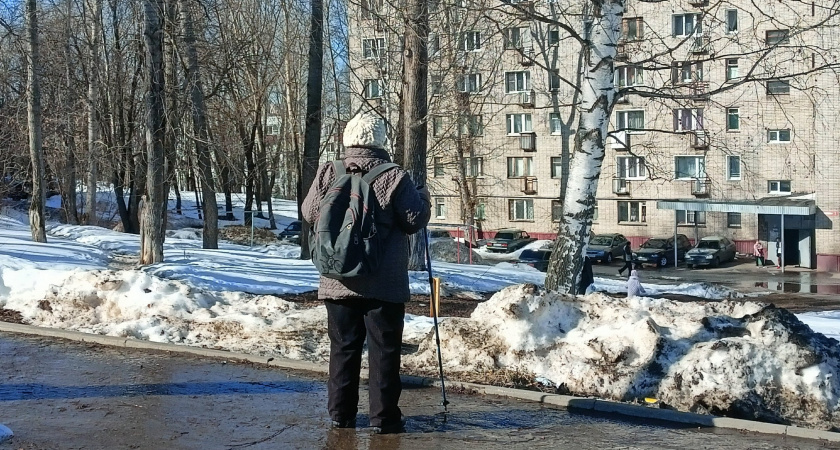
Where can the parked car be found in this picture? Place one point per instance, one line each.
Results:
(537, 259)
(711, 250)
(291, 233)
(439, 233)
(606, 247)
(660, 251)
(509, 240)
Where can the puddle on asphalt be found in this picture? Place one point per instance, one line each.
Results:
(804, 288)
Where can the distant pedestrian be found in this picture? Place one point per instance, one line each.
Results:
(634, 286)
(371, 305)
(628, 259)
(587, 278)
(778, 252)
(758, 252)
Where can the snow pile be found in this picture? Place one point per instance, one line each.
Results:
(5, 433)
(449, 250)
(702, 290)
(742, 359)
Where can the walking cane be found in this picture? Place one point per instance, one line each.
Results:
(443, 402)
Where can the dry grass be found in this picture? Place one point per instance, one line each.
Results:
(241, 235)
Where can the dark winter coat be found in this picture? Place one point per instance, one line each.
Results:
(405, 213)
(586, 276)
(628, 253)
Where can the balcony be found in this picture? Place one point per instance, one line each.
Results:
(700, 44)
(698, 3)
(528, 141)
(378, 24)
(619, 140)
(526, 56)
(526, 99)
(700, 187)
(621, 186)
(699, 92)
(529, 185)
(621, 52)
(700, 140)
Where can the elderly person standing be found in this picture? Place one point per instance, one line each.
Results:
(634, 286)
(758, 252)
(370, 306)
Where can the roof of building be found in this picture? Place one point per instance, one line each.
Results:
(788, 205)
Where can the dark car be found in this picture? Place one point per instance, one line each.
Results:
(509, 240)
(660, 251)
(606, 247)
(291, 233)
(537, 259)
(711, 251)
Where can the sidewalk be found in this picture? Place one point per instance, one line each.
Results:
(60, 394)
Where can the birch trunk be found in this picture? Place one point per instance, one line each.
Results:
(36, 206)
(597, 100)
(68, 186)
(154, 202)
(312, 132)
(200, 130)
(93, 114)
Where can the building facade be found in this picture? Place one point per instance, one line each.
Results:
(724, 123)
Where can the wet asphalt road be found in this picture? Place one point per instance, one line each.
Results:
(57, 394)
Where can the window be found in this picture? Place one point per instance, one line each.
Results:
(554, 80)
(733, 119)
(777, 37)
(440, 208)
(373, 89)
(778, 186)
(595, 213)
(519, 123)
(470, 82)
(556, 167)
(732, 69)
(516, 37)
(629, 76)
(522, 209)
(520, 166)
(481, 210)
(776, 87)
(437, 126)
(435, 84)
(373, 48)
(778, 136)
(555, 123)
(733, 167)
(434, 44)
(470, 41)
(556, 210)
(634, 121)
(688, 167)
(632, 212)
(690, 217)
(688, 119)
(437, 164)
(686, 72)
(733, 220)
(472, 126)
(474, 167)
(272, 130)
(517, 81)
(371, 8)
(686, 24)
(731, 20)
(630, 168)
(553, 35)
(632, 29)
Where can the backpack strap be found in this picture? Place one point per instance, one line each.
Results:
(378, 170)
(338, 167)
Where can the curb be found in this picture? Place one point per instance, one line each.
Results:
(564, 401)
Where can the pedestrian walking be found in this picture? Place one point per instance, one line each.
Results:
(364, 305)
(778, 252)
(634, 285)
(758, 252)
(628, 259)
(587, 278)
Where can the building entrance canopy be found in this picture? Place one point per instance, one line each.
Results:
(768, 205)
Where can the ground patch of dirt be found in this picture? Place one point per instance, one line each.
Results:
(241, 235)
(417, 305)
(8, 315)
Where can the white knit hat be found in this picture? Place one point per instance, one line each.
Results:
(365, 130)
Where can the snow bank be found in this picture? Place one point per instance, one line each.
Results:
(743, 359)
(449, 250)
(701, 290)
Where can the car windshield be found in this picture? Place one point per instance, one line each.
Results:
(504, 235)
(531, 254)
(709, 244)
(655, 243)
(294, 226)
(601, 240)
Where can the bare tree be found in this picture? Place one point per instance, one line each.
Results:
(36, 206)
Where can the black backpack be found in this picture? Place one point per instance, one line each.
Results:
(345, 241)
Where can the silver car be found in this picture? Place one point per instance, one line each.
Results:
(711, 251)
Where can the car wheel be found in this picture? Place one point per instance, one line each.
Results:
(663, 261)
(609, 258)
(691, 266)
(716, 262)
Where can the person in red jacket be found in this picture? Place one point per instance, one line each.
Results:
(758, 252)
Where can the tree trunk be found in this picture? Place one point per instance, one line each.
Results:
(68, 185)
(36, 206)
(597, 100)
(248, 148)
(415, 107)
(312, 132)
(154, 202)
(93, 115)
(202, 136)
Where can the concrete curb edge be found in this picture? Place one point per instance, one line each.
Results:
(565, 401)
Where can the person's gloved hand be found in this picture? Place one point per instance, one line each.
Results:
(424, 193)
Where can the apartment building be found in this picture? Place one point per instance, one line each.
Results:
(725, 125)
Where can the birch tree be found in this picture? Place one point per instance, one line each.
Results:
(37, 202)
(93, 141)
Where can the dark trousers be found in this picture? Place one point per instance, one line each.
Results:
(628, 265)
(349, 322)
